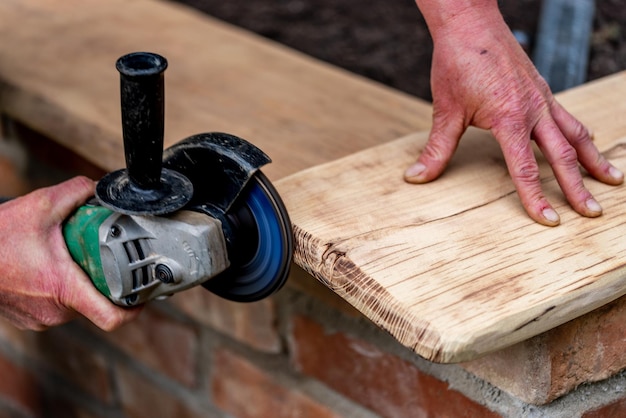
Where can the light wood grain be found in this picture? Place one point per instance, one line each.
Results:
(57, 75)
(455, 269)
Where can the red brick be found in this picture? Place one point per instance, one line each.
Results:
(545, 367)
(522, 370)
(19, 388)
(378, 380)
(614, 409)
(141, 397)
(85, 368)
(246, 391)
(65, 355)
(589, 349)
(254, 324)
(160, 342)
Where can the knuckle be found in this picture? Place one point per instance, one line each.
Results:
(435, 151)
(600, 161)
(512, 114)
(513, 121)
(114, 319)
(566, 155)
(41, 201)
(526, 172)
(579, 134)
(515, 108)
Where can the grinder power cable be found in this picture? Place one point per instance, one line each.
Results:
(199, 213)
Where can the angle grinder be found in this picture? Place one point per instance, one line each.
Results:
(199, 213)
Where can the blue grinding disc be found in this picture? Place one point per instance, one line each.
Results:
(266, 268)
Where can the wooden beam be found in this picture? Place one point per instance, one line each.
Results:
(57, 76)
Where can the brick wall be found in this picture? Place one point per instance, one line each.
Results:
(302, 353)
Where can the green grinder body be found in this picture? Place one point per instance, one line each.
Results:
(81, 233)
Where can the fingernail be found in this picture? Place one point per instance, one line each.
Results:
(414, 171)
(615, 173)
(550, 215)
(593, 206)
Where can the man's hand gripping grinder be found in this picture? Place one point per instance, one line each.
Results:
(199, 213)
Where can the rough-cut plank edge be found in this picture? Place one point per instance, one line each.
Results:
(336, 271)
(341, 275)
(612, 286)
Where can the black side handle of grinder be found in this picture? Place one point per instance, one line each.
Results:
(144, 187)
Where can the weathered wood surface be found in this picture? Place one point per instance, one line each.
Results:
(455, 269)
(57, 75)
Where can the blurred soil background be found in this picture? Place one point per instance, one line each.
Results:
(387, 40)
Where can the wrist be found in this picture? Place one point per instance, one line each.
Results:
(444, 16)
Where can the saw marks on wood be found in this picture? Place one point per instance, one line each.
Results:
(454, 269)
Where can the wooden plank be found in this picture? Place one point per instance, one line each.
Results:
(455, 269)
(57, 75)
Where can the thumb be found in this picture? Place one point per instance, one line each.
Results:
(444, 137)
